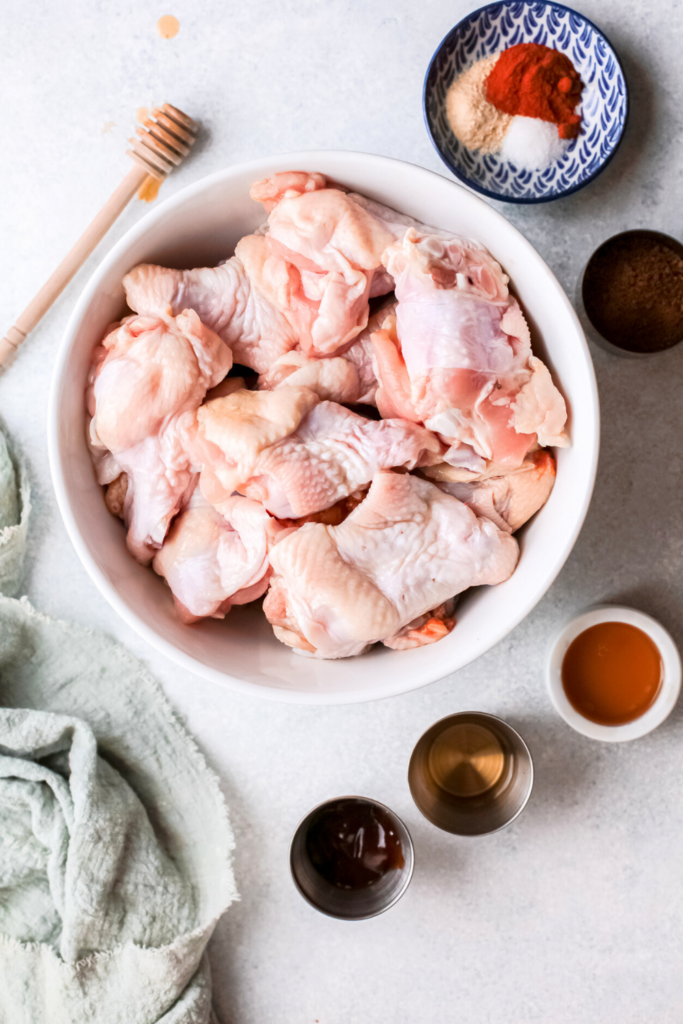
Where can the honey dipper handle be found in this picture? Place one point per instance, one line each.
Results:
(54, 286)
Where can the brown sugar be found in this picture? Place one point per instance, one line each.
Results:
(633, 291)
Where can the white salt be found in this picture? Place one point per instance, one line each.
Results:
(531, 144)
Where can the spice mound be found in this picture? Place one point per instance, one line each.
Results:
(534, 81)
(633, 291)
(521, 103)
(475, 121)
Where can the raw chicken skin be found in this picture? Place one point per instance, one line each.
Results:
(322, 227)
(285, 185)
(292, 184)
(458, 355)
(404, 551)
(212, 560)
(305, 283)
(244, 299)
(335, 239)
(509, 498)
(250, 443)
(349, 378)
(148, 378)
(334, 379)
(232, 432)
(334, 247)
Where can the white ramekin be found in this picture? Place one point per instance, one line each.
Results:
(668, 694)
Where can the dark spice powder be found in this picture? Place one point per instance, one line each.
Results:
(633, 291)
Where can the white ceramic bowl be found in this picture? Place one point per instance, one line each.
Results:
(200, 226)
(671, 682)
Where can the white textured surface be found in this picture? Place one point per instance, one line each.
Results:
(575, 913)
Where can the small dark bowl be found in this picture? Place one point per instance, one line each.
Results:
(595, 330)
(604, 104)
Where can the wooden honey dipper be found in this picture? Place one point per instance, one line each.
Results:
(163, 141)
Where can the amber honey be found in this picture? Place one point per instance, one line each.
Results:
(612, 673)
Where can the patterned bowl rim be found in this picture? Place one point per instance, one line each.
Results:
(460, 175)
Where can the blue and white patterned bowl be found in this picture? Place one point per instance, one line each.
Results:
(604, 102)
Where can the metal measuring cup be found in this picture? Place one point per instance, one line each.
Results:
(349, 904)
(471, 774)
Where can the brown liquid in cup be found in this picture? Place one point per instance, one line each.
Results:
(612, 673)
(353, 844)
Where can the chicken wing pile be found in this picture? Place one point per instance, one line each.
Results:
(345, 416)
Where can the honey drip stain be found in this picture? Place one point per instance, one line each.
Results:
(168, 26)
(149, 189)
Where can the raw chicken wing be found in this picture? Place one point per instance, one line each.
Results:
(242, 300)
(509, 498)
(148, 377)
(334, 246)
(405, 550)
(335, 239)
(458, 355)
(297, 455)
(349, 378)
(212, 560)
(303, 283)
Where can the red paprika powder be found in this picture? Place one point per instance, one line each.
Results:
(532, 80)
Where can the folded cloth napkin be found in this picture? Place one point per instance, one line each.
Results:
(115, 844)
(15, 505)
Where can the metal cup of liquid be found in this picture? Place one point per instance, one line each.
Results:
(471, 774)
(351, 858)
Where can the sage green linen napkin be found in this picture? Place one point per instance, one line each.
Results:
(115, 844)
(15, 506)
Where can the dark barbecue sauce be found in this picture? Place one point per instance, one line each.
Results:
(353, 844)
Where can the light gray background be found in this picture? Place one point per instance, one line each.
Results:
(574, 913)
